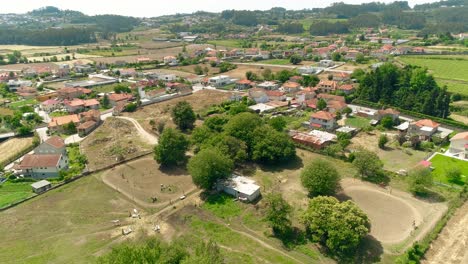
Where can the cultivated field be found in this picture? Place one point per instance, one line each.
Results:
(68, 225)
(13, 147)
(140, 180)
(393, 156)
(393, 212)
(115, 140)
(450, 245)
(162, 111)
(13, 192)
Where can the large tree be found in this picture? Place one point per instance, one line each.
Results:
(183, 115)
(208, 166)
(242, 126)
(271, 146)
(171, 148)
(320, 177)
(278, 213)
(339, 226)
(367, 163)
(420, 180)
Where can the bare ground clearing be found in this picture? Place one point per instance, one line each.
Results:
(451, 245)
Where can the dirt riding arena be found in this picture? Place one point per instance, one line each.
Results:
(141, 180)
(451, 245)
(395, 215)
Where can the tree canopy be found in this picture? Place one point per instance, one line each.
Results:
(171, 148)
(367, 163)
(420, 180)
(320, 177)
(183, 115)
(278, 213)
(270, 146)
(208, 166)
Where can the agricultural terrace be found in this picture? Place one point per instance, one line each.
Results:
(142, 179)
(161, 112)
(113, 141)
(443, 163)
(13, 147)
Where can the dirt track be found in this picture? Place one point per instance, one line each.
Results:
(451, 246)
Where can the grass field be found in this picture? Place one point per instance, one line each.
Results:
(455, 86)
(441, 163)
(21, 103)
(230, 43)
(13, 192)
(275, 62)
(357, 121)
(107, 88)
(6, 111)
(441, 67)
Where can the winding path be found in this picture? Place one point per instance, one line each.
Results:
(151, 139)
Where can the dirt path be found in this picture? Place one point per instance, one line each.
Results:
(451, 246)
(151, 139)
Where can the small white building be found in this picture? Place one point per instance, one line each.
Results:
(240, 187)
(268, 85)
(41, 186)
(219, 81)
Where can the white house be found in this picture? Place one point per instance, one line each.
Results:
(53, 145)
(43, 166)
(323, 119)
(240, 187)
(459, 145)
(220, 80)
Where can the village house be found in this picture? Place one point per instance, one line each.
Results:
(78, 105)
(341, 76)
(394, 114)
(459, 145)
(57, 123)
(115, 98)
(326, 86)
(219, 81)
(70, 93)
(424, 128)
(240, 187)
(334, 106)
(53, 145)
(296, 78)
(43, 166)
(82, 68)
(316, 139)
(50, 105)
(41, 186)
(244, 84)
(347, 88)
(276, 95)
(27, 92)
(89, 121)
(259, 95)
(13, 85)
(170, 60)
(290, 87)
(130, 72)
(352, 55)
(269, 85)
(304, 95)
(323, 119)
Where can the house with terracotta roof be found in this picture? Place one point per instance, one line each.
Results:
(115, 98)
(291, 87)
(326, 86)
(244, 84)
(70, 93)
(316, 139)
(394, 114)
(304, 95)
(78, 105)
(276, 95)
(323, 119)
(50, 105)
(89, 121)
(459, 145)
(347, 88)
(352, 54)
(334, 106)
(424, 128)
(341, 76)
(57, 123)
(53, 145)
(43, 166)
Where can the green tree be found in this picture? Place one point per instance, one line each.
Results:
(183, 115)
(131, 107)
(171, 148)
(216, 123)
(453, 174)
(336, 56)
(105, 102)
(242, 126)
(320, 177)
(232, 147)
(321, 104)
(205, 253)
(278, 123)
(383, 140)
(420, 180)
(278, 213)
(367, 163)
(295, 59)
(271, 146)
(251, 76)
(69, 128)
(387, 122)
(208, 166)
(198, 70)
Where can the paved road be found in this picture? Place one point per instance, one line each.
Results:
(151, 139)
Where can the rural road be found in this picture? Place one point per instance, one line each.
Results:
(267, 65)
(151, 139)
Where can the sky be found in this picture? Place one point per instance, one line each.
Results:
(152, 8)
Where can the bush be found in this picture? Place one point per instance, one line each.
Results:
(406, 144)
(426, 145)
(383, 139)
(453, 174)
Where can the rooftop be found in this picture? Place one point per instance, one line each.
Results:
(242, 184)
(35, 161)
(40, 184)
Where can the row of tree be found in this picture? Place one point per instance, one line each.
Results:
(51, 36)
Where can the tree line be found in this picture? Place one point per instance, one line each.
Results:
(46, 37)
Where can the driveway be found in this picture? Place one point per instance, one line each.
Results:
(42, 133)
(151, 139)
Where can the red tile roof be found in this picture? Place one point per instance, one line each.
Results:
(463, 135)
(275, 93)
(120, 97)
(426, 123)
(323, 115)
(63, 120)
(291, 85)
(35, 161)
(56, 142)
(346, 87)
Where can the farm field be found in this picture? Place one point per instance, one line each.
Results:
(115, 140)
(162, 111)
(140, 180)
(21, 103)
(442, 163)
(393, 156)
(12, 147)
(13, 192)
(241, 70)
(228, 43)
(460, 87)
(357, 121)
(276, 62)
(76, 216)
(442, 67)
(5, 111)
